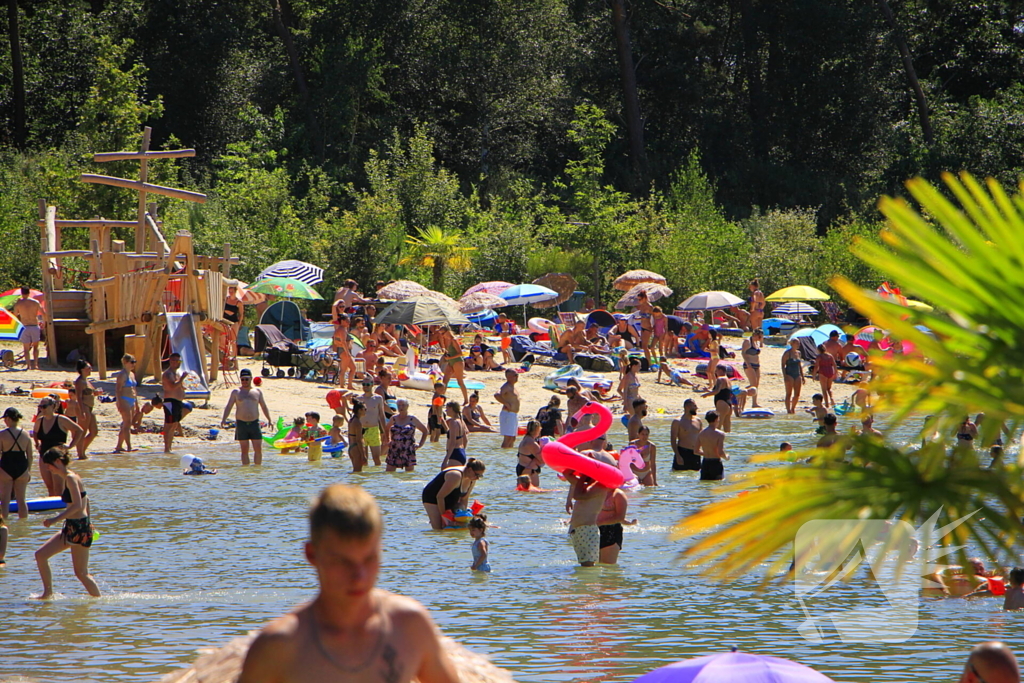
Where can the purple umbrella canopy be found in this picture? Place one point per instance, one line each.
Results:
(734, 667)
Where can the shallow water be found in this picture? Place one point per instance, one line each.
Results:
(189, 562)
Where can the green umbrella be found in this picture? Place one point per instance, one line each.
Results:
(421, 310)
(284, 286)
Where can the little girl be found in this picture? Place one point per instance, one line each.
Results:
(478, 529)
(294, 434)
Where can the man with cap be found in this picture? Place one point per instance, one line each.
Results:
(248, 401)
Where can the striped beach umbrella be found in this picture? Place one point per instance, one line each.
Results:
(795, 308)
(296, 270)
(10, 327)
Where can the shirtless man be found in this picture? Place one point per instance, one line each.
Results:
(573, 341)
(585, 499)
(831, 436)
(369, 357)
(30, 313)
(685, 438)
(991, 662)
(173, 383)
(833, 345)
(249, 401)
(508, 418)
(636, 420)
(609, 524)
(351, 631)
(712, 444)
(867, 427)
(374, 419)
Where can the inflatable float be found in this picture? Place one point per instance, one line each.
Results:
(334, 447)
(630, 457)
(758, 413)
(39, 504)
(425, 382)
(559, 379)
(560, 456)
(541, 326)
(59, 392)
(458, 519)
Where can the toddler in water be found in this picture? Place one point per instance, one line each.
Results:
(312, 429)
(294, 434)
(819, 412)
(1014, 598)
(524, 485)
(337, 424)
(478, 529)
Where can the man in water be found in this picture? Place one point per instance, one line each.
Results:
(584, 502)
(374, 419)
(830, 436)
(636, 420)
(685, 435)
(29, 312)
(991, 662)
(249, 401)
(173, 382)
(508, 418)
(351, 631)
(712, 444)
(174, 413)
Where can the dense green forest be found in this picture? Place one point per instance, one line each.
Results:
(712, 141)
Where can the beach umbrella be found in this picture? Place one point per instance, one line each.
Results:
(11, 296)
(421, 310)
(479, 301)
(286, 287)
(246, 295)
(653, 290)
(520, 295)
(706, 301)
(795, 308)
(734, 667)
(493, 287)
(798, 293)
(297, 270)
(10, 327)
(441, 298)
(400, 290)
(911, 303)
(629, 279)
(563, 283)
(816, 335)
(829, 328)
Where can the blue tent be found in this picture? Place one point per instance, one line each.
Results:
(286, 316)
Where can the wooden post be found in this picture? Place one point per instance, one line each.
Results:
(215, 353)
(140, 229)
(225, 267)
(99, 347)
(49, 215)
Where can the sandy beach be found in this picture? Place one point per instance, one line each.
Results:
(290, 397)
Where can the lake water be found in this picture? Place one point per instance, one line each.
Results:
(189, 562)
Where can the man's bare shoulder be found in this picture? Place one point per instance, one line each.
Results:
(273, 649)
(405, 610)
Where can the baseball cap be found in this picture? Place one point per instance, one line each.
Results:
(245, 372)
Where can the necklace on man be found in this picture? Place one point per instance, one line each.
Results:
(330, 658)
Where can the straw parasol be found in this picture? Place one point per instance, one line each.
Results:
(493, 287)
(626, 281)
(223, 665)
(654, 292)
(563, 283)
(400, 290)
(478, 301)
(440, 298)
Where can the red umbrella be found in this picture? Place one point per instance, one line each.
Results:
(8, 298)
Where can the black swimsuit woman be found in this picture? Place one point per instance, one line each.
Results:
(15, 456)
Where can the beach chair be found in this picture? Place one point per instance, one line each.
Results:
(833, 312)
(567, 318)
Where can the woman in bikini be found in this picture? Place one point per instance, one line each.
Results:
(455, 446)
(77, 533)
(756, 301)
(529, 459)
(659, 322)
(792, 375)
(86, 400)
(629, 386)
(127, 403)
(645, 312)
(15, 458)
(474, 417)
(714, 349)
(751, 353)
(52, 429)
(452, 361)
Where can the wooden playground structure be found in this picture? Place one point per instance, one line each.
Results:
(130, 291)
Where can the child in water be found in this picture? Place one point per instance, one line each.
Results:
(819, 412)
(524, 485)
(312, 429)
(1014, 598)
(294, 434)
(478, 529)
(335, 435)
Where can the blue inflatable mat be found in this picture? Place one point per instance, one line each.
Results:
(40, 504)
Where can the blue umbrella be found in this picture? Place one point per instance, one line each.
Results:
(829, 328)
(734, 667)
(297, 270)
(816, 335)
(520, 295)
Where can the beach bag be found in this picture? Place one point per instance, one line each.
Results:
(602, 364)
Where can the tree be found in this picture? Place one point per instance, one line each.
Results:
(966, 258)
(18, 74)
(436, 249)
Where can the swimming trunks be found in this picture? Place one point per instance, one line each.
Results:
(508, 423)
(611, 534)
(248, 430)
(15, 461)
(711, 469)
(78, 531)
(173, 408)
(586, 541)
(371, 436)
(30, 334)
(334, 400)
(685, 459)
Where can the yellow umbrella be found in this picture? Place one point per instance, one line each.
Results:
(919, 305)
(798, 293)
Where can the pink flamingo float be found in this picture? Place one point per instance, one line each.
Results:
(560, 456)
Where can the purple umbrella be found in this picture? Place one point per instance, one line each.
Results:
(734, 667)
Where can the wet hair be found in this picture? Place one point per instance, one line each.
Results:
(57, 453)
(313, 414)
(348, 511)
(479, 522)
(81, 364)
(12, 413)
(711, 416)
(476, 465)
(531, 425)
(785, 446)
(523, 480)
(830, 419)
(1017, 576)
(439, 385)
